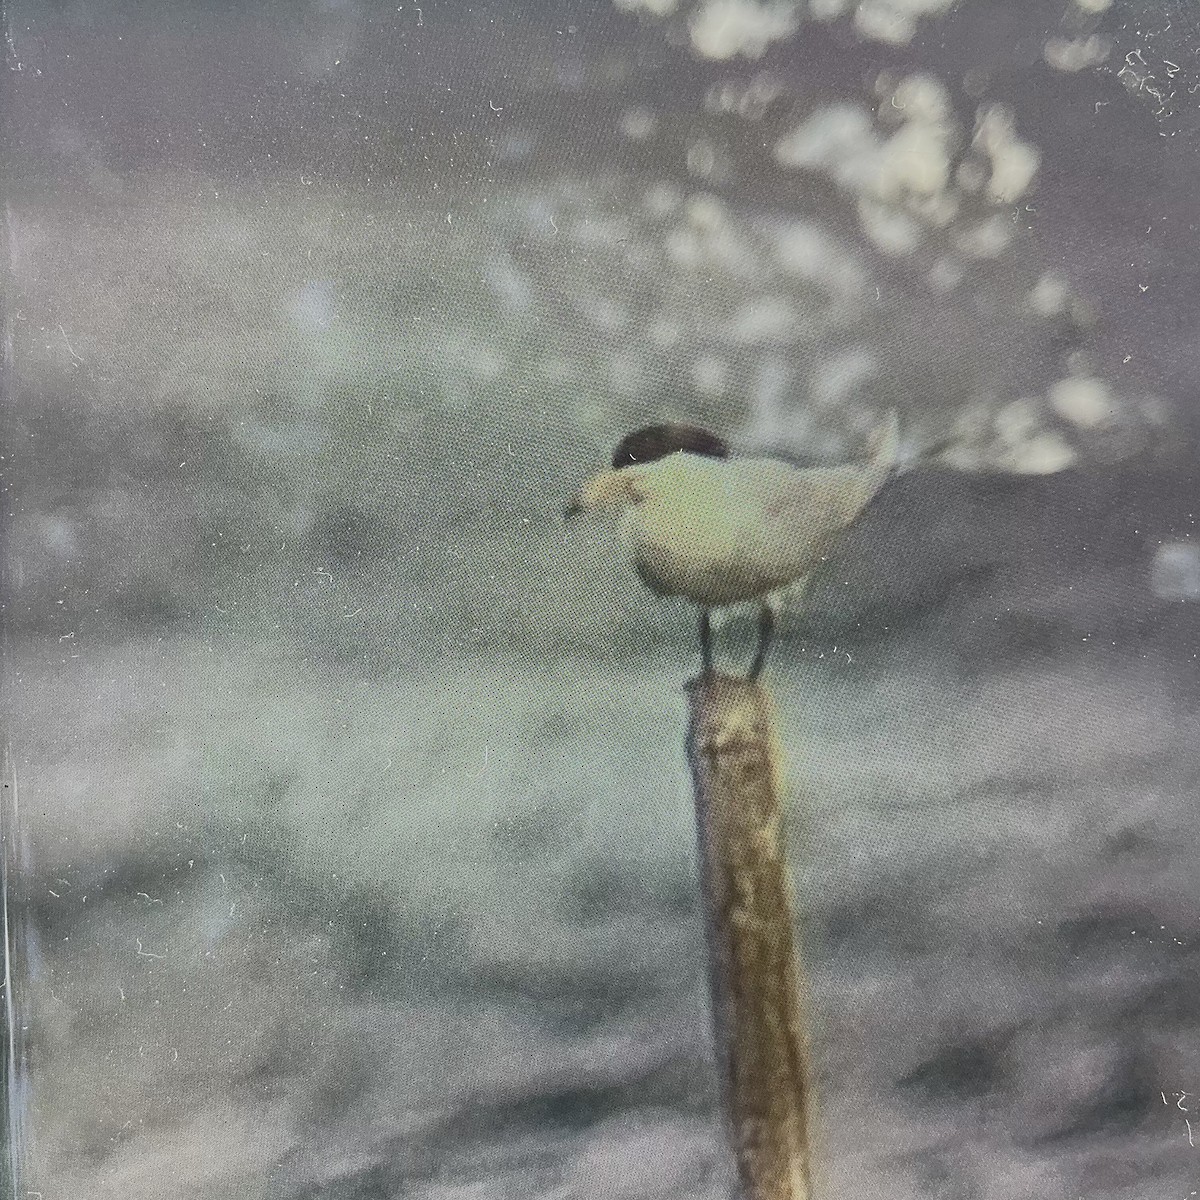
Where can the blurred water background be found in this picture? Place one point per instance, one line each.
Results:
(351, 849)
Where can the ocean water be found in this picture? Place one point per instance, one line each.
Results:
(351, 847)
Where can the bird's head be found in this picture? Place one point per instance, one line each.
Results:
(605, 491)
(626, 484)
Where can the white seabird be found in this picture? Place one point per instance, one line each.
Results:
(721, 530)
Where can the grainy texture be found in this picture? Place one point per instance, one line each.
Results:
(358, 849)
(758, 1020)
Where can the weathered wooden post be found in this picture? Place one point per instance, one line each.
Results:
(757, 1013)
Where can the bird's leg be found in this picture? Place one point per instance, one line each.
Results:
(766, 628)
(706, 654)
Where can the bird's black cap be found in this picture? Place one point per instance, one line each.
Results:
(657, 441)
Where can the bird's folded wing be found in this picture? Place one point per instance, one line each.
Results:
(821, 500)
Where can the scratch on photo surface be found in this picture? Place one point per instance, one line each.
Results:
(70, 348)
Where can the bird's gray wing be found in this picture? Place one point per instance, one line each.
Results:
(820, 500)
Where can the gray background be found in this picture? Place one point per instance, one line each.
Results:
(352, 844)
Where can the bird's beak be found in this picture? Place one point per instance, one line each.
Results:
(608, 490)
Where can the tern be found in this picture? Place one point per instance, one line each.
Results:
(717, 529)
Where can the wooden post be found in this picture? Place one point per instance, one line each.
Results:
(757, 1015)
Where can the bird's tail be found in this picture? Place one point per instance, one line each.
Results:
(883, 451)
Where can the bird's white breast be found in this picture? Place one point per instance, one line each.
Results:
(720, 532)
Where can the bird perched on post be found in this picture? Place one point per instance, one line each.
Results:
(718, 529)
